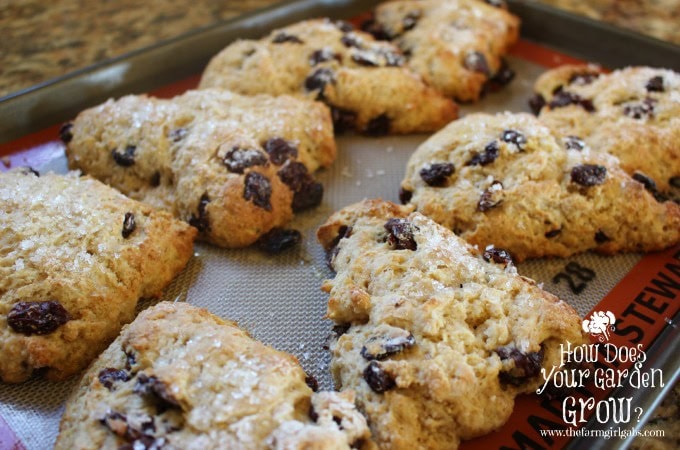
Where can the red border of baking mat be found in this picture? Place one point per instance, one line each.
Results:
(640, 315)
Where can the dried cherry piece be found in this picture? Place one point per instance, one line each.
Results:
(401, 234)
(377, 379)
(410, 20)
(641, 110)
(563, 98)
(107, 377)
(258, 189)
(323, 55)
(476, 62)
(282, 37)
(381, 347)
(39, 318)
(278, 240)
(497, 255)
(574, 143)
(437, 174)
(405, 196)
(319, 79)
(536, 103)
(343, 119)
(65, 132)
(526, 365)
(280, 150)
(601, 237)
(655, 84)
(378, 126)
(514, 137)
(129, 225)
(238, 159)
(588, 174)
(125, 158)
(489, 155)
(200, 221)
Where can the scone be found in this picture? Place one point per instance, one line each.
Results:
(75, 257)
(457, 46)
(508, 180)
(435, 338)
(363, 81)
(179, 377)
(234, 167)
(633, 114)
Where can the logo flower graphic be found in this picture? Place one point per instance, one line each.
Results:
(599, 324)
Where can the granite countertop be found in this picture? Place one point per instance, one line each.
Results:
(42, 40)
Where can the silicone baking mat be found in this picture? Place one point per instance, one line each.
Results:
(278, 298)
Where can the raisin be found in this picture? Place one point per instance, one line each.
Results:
(405, 196)
(437, 174)
(312, 383)
(31, 170)
(278, 240)
(258, 190)
(553, 233)
(647, 182)
(526, 365)
(282, 37)
(155, 180)
(130, 360)
(239, 159)
(319, 79)
(536, 103)
(313, 415)
(476, 62)
(601, 237)
(344, 26)
(401, 233)
(377, 379)
(343, 232)
(109, 376)
(514, 137)
(350, 40)
(497, 255)
(37, 317)
(641, 110)
(574, 143)
(280, 150)
(496, 3)
(308, 196)
(343, 119)
(365, 58)
(294, 175)
(65, 132)
(116, 422)
(674, 181)
(489, 155)
(584, 78)
(489, 198)
(380, 347)
(200, 221)
(373, 28)
(564, 98)
(129, 225)
(655, 84)
(588, 174)
(323, 55)
(339, 330)
(378, 126)
(177, 134)
(151, 385)
(501, 78)
(126, 158)
(410, 20)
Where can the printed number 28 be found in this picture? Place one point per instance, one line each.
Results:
(574, 271)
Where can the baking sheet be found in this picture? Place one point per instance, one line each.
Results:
(278, 298)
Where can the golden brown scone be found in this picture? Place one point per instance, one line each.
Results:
(179, 377)
(457, 46)
(235, 167)
(436, 339)
(362, 80)
(75, 257)
(633, 114)
(507, 180)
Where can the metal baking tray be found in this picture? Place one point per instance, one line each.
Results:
(293, 322)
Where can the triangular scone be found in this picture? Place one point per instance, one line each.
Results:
(633, 114)
(362, 80)
(235, 167)
(507, 180)
(436, 339)
(75, 258)
(179, 377)
(455, 45)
